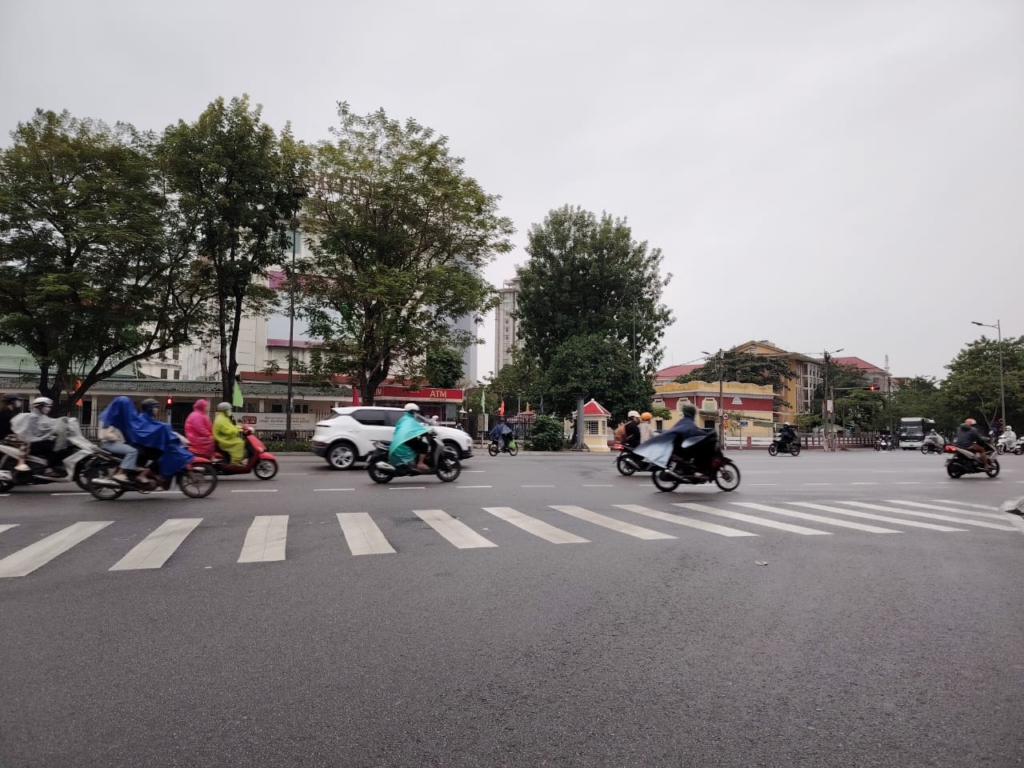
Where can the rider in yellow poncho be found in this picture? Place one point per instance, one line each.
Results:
(227, 434)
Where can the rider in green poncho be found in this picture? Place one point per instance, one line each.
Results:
(408, 431)
(227, 434)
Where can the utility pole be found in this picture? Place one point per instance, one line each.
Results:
(721, 398)
(290, 406)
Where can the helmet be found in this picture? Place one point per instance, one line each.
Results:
(12, 398)
(786, 424)
(645, 416)
(689, 410)
(412, 407)
(225, 407)
(972, 422)
(633, 415)
(41, 401)
(1009, 428)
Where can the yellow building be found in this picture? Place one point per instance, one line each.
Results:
(747, 408)
(797, 389)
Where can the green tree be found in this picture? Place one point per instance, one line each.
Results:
(400, 235)
(443, 367)
(521, 379)
(745, 368)
(972, 386)
(93, 277)
(599, 368)
(586, 275)
(238, 185)
(920, 396)
(854, 402)
(546, 434)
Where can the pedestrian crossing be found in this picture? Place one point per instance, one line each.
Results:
(364, 534)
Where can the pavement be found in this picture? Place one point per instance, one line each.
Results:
(851, 609)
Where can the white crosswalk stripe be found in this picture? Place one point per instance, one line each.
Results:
(967, 504)
(362, 534)
(36, 555)
(753, 520)
(880, 518)
(814, 518)
(157, 548)
(611, 523)
(537, 527)
(930, 515)
(265, 540)
(700, 525)
(937, 508)
(8, 527)
(455, 531)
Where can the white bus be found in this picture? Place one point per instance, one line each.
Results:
(912, 432)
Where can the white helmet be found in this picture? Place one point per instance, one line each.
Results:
(633, 415)
(41, 401)
(409, 407)
(224, 407)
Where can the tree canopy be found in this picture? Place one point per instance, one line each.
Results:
(93, 272)
(746, 368)
(596, 367)
(972, 386)
(399, 235)
(443, 367)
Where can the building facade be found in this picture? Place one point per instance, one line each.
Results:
(506, 324)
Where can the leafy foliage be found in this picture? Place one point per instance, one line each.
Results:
(238, 185)
(399, 236)
(547, 434)
(93, 277)
(921, 396)
(599, 368)
(587, 276)
(972, 386)
(522, 378)
(745, 368)
(443, 367)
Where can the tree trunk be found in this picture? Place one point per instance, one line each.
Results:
(233, 349)
(222, 323)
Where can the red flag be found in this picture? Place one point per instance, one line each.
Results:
(501, 408)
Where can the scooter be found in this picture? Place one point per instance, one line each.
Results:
(683, 471)
(442, 460)
(197, 480)
(259, 460)
(793, 448)
(963, 462)
(494, 448)
(628, 463)
(19, 467)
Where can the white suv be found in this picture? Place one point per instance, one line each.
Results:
(348, 435)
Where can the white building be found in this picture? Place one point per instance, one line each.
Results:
(506, 326)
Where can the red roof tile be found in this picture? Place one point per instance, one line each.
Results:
(594, 408)
(856, 362)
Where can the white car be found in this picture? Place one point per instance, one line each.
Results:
(347, 437)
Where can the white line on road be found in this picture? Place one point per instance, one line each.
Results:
(611, 523)
(407, 487)
(863, 483)
(362, 534)
(881, 518)
(72, 493)
(475, 471)
(325, 490)
(932, 515)
(817, 483)
(26, 560)
(269, 490)
(8, 527)
(967, 504)
(700, 525)
(954, 510)
(537, 527)
(154, 550)
(265, 540)
(474, 486)
(755, 520)
(814, 518)
(455, 531)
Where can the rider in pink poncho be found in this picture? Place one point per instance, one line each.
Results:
(199, 430)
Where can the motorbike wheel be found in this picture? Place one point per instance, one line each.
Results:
(954, 470)
(795, 449)
(1000, 449)
(728, 477)
(925, 449)
(664, 481)
(6, 485)
(101, 470)
(1018, 451)
(265, 469)
(993, 470)
(513, 449)
(198, 482)
(878, 447)
(377, 474)
(773, 450)
(448, 468)
(493, 449)
(624, 467)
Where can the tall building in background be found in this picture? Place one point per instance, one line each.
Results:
(469, 357)
(506, 326)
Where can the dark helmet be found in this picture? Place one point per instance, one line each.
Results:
(689, 410)
(12, 398)
(149, 402)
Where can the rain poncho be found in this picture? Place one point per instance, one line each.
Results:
(408, 428)
(145, 431)
(199, 430)
(228, 439)
(33, 426)
(658, 450)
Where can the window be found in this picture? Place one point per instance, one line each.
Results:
(163, 373)
(591, 427)
(393, 417)
(177, 375)
(371, 417)
(276, 408)
(177, 353)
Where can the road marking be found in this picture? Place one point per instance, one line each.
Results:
(863, 483)
(932, 515)
(814, 518)
(455, 531)
(538, 486)
(755, 520)
(474, 486)
(700, 525)
(8, 527)
(475, 471)
(598, 486)
(537, 527)
(362, 534)
(817, 483)
(911, 482)
(967, 504)
(611, 523)
(407, 487)
(26, 560)
(72, 493)
(154, 550)
(954, 510)
(265, 541)
(325, 490)
(881, 518)
(270, 490)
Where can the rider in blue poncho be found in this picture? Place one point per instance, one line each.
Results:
(407, 438)
(145, 431)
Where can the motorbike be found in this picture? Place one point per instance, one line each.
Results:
(933, 446)
(442, 460)
(628, 463)
(259, 461)
(885, 443)
(495, 448)
(19, 467)
(683, 471)
(1018, 449)
(962, 462)
(1006, 446)
(197, 480)
(792, 449)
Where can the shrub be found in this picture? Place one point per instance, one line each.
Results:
(547, 434)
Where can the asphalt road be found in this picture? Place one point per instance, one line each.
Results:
(542, 610)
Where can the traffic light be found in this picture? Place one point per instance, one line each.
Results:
(170, 401)
(872, 387)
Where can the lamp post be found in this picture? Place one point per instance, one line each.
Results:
(1002, 387)
(721, 395)
(291, 340)
(825, 399)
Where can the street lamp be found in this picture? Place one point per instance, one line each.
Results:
(721, 395)
(826, 398)
(291, 339)
(1002, 387)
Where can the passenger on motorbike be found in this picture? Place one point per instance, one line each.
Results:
(968, 438)
(155, 440)
(786, 436)
(646, 433)
(199, 430)
(113, 442)
(10, 409)
(228, 435)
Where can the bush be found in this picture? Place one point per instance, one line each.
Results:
(547, 434)
(277, 446)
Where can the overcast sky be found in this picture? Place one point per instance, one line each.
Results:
(822, 174)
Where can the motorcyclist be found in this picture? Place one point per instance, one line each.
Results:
(228, 435)
(646, 433)
(411, 450)
(686, 428)
(199, 430)
(112, 440)
(155, 440)
(10, 409)
(1008, 438)
(502, 433)
(786, 436)
(632, 438)
(968, 438)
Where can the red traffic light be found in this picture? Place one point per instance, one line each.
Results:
(872, 388)
(170, 401)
